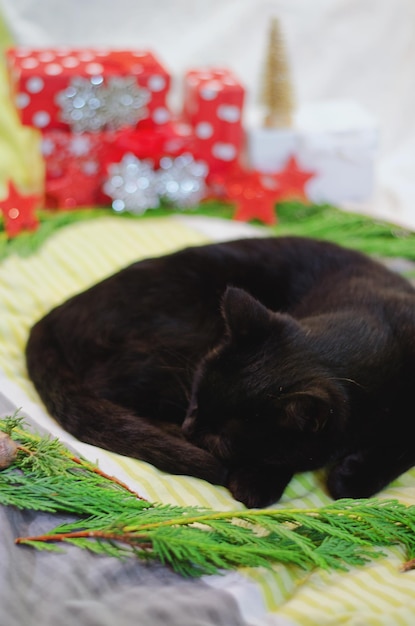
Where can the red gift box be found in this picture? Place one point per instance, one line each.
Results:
(171, 139)
(53, 85)
(213, 105)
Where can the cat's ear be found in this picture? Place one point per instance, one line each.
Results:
(244, 315)
(307, 411)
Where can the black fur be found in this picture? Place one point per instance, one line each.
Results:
(241, 363)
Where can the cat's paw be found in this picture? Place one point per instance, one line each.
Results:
(256, 488)
(350, 478)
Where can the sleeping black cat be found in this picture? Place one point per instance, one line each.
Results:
(241, 363)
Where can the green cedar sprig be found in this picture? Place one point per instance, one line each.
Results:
(113, 520)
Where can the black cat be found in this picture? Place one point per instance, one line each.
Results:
(241, 363)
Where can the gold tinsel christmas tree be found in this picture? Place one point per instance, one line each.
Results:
(277, 89)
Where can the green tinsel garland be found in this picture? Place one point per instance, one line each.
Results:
(321, 221)
(42, 475)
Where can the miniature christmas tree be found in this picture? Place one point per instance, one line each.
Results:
(277, 90)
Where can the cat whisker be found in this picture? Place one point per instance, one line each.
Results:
(183, 359)
(347, 380)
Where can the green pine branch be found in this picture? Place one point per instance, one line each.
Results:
(43, 475)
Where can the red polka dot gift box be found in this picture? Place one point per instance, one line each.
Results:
(213, 105)
(88, 90)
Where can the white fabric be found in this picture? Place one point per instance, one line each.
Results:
(363, 50)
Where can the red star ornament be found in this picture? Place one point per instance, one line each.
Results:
(19, 211)
(292, 181)
(255, 195)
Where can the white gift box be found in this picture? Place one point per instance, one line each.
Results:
(337, 140)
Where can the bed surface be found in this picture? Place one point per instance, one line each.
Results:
(96, 589)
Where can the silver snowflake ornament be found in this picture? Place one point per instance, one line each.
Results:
(91, 105)
(132, 185)
(82, 104)
(125, 102)
(182, 180)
